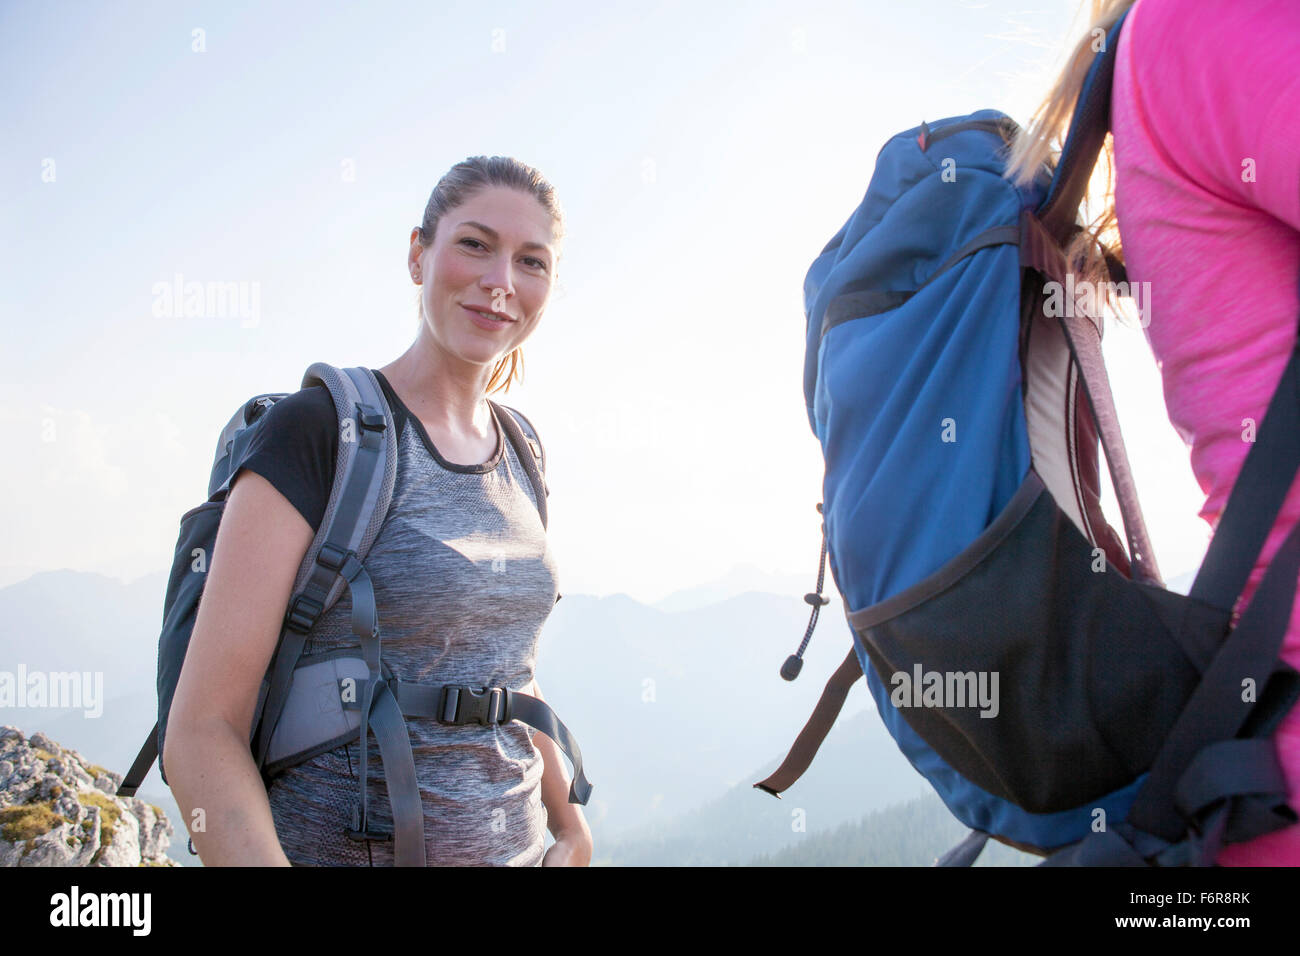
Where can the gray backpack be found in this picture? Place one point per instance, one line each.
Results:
(309, 704)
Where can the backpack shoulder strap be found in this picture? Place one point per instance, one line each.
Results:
(364, 476)
(1089, 125)
(1043, 232)
(529, 448)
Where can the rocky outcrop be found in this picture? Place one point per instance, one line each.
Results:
(56, 809)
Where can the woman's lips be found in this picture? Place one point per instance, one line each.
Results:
(489, 324)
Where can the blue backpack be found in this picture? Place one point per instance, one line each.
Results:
(1054, 693)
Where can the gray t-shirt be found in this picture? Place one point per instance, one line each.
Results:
(464, 581)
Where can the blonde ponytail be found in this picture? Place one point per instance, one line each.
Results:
(1039, 143)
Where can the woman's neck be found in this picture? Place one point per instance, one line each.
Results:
(450, 400)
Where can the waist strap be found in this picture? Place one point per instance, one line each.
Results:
(459, 704)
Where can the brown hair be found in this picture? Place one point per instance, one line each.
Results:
(1040, 143)
(461, 183)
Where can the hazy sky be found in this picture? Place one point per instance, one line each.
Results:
(703, 154)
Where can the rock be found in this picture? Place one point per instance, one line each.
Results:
(65, 813)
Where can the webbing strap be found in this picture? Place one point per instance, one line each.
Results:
(966, 852)
(143, 761)
(537, 714)
(1221, 703)
(1256, 497)
(399, 775)
(1109, 847)
(1039, 251)
(1084, 340)
(1228, 768)
(1233, 791)
(819, 724)
(859, 299)
(365, 625)
(430, 700)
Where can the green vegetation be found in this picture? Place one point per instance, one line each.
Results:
(109, 814)
(43, 753)
(28, 821)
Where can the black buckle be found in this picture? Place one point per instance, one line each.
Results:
(462, 704)
(355, 832)
(369, 419)
(331, 556)
(303, 612)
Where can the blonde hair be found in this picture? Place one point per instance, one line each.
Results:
(1039, 144)
(460, 183)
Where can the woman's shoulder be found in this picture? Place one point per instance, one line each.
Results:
(301, 421)
(529, 430)
(307, 406)
(522, 420)
(1209, 89)
(295, 447)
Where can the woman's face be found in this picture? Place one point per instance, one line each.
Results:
(495, 253)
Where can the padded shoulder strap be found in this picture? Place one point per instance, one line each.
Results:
(354, 523)
(364, 475)
(1044, 233)
(529, 449)
(1088, 128)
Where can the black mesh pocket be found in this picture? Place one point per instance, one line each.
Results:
(1092, 669)
(311, 805)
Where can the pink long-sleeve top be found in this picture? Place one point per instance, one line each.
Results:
(1206, 121)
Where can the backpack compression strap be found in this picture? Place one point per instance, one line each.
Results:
(819, 724)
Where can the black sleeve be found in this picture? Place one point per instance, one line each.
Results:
(295, 448)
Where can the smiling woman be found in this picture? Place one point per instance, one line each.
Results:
(462, 573)
(481, 192)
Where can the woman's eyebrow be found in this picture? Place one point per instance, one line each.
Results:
(493, 233)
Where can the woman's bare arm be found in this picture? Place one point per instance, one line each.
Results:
(564, 819)
(260, 544)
